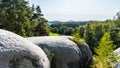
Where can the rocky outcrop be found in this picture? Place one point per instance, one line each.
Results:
(117, 65)
(17, 52)
(86, 54)
(64, 53)
(117, 51)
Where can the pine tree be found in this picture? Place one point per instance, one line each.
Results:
(42, 28)
(15, 15)
(82, 31)
(90, 38)
(105, 57)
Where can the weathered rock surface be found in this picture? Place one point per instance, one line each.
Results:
(117, 51)
(86, 54)
(117, 65)
(64, 53)
(18, 52)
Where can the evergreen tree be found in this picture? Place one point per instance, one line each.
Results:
(115, 36)
(69, 31)
(90, 38)
(117, 21)
(82, 31)
(54, 30)
(15, 15)
(98, 32)
(105, 58)
(41, 28)
(62, 30)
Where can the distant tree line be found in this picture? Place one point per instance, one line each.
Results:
(17, 16)
(91, 32)
(65, 28)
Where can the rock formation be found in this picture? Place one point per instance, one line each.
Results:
(86, 54)
(117, 65)
(18, 52)
(117, 51)
(63, 53)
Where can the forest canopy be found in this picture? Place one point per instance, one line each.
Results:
(18, 17)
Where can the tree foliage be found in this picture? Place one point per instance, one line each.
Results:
(14, 15)
(42, 26)
(105, 58)
(17, 16)
(82, 31)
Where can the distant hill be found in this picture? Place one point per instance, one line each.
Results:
(70, 21)
(53, 22)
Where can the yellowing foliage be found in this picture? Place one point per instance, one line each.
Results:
(105, 57)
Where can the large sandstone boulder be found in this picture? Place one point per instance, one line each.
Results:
(117, 51)
(117, 65)
(18, 52)
(64, 53)
(86, 54)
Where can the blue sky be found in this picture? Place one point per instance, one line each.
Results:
(79, 10)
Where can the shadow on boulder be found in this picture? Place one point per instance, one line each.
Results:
(63, 53)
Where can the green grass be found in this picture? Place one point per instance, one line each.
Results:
(54, 34)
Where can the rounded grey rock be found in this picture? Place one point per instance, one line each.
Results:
(87, 58)
(117, 52)
(18, 52)
(62, 52)
(117, 65)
